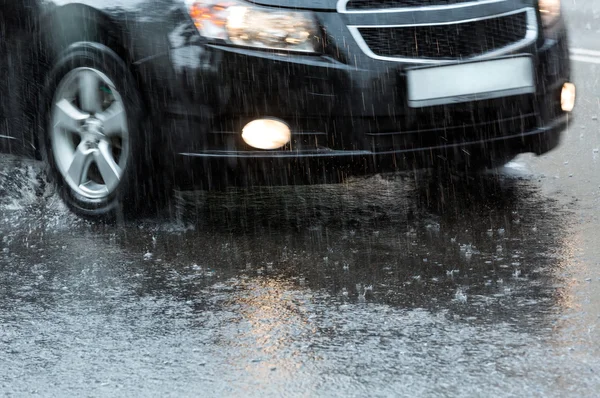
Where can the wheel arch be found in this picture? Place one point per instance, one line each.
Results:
(87, 28)
(77, 22)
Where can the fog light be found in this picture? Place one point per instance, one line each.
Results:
(266, 134)
(567, 97)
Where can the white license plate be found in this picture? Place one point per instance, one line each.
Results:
(448, 84)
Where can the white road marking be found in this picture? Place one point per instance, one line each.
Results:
(585, 55)
(583, 51)
(582, 58)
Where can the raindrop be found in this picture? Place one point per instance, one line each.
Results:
(460, 296)
(366, 289)
(433, 227)
(517, 273)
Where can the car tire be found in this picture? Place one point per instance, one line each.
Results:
(96, 142)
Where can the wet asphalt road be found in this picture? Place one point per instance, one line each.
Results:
(390, 285)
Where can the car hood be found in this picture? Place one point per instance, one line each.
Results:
(304, 4)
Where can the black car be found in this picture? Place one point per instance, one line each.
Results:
(125, 98)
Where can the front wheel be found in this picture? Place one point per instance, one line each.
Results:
(95, 142)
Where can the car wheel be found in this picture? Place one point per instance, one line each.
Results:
(94, 141)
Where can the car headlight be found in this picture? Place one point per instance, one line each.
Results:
(549, 11)
(240, 23)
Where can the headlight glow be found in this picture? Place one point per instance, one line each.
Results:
(567, 97)
(244, 24)
(266, 134)
(549, 11)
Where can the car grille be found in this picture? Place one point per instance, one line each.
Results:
(387, 4)
(441, 42)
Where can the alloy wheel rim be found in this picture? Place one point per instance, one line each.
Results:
(89, 134)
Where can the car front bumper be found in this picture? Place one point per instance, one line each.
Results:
(346, 109)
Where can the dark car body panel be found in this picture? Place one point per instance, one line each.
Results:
(199, 93)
